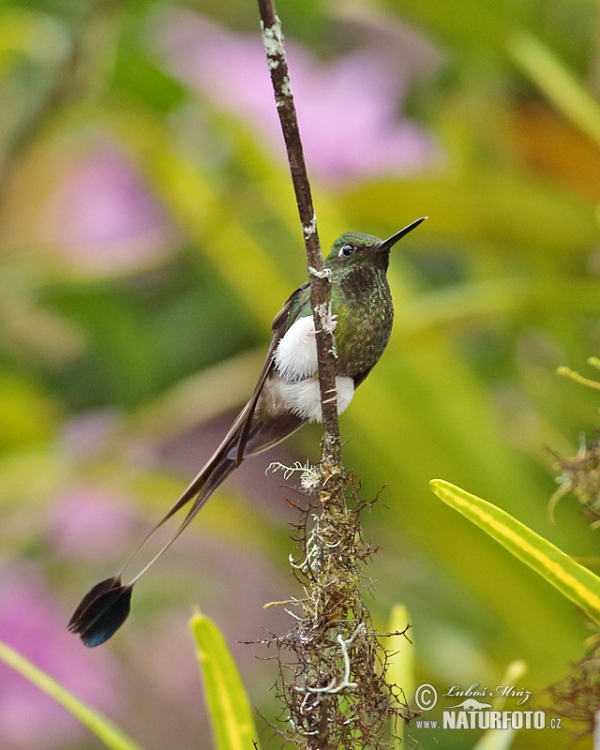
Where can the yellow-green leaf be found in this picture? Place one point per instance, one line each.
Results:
(105, 730)
(569, 577)
(502, 739)
(558, 84)
(228, 705)
(401, 664)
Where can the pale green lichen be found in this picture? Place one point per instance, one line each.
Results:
(311, 228)
(332, 666)
(286, 87)
(324, 274)
(273, 44)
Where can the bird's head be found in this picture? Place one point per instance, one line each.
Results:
(353, 249)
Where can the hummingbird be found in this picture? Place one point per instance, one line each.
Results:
(286, 396)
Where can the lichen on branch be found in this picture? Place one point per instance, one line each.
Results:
(332, 667)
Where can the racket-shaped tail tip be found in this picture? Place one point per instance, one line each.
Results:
(102, 611)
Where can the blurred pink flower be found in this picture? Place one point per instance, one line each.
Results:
(91, 432)
(103, 217)
(32, 623)
(347, 108)
(90, 523)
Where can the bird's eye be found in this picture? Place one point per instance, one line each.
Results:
(347, 250)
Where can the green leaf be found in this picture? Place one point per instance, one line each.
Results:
(496, 739)
(400, 665)
(502, 739)
(569, 577)
(105, 730)
(559, 85)
(227, 702)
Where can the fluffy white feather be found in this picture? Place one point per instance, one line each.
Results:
(296, 353)
(296, 364)
(304, 397)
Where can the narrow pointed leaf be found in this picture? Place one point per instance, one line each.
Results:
(108, 733)
(227, 702)
(560, 86)
(502, 739)
(496, 739)
(569, 577)
(401, 664)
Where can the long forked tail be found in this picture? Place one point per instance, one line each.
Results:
(106, 606)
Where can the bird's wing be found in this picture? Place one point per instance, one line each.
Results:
(238, 432)
(294, 305)
(220, 466)
(361, 376)
(237, 435)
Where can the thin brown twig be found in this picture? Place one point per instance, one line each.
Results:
(319, 281)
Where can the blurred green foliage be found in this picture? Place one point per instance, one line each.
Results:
(495, 291)
(110, 735)
(231, 714)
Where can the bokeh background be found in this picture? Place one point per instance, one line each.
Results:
(148, 235)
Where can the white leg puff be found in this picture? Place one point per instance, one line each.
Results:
(296, 353)
(304, 397)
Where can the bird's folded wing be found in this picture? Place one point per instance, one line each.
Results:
(280, 325)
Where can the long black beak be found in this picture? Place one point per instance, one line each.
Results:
(391, 241)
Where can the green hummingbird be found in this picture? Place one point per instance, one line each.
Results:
(286, 395)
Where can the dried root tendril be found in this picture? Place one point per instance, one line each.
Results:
(331, 665)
